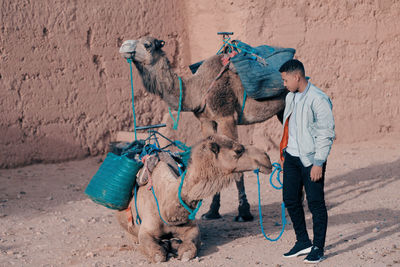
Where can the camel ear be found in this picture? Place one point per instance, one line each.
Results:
(159, 44)
(214, 147)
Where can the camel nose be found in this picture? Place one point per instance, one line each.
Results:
(265, 164)
(128, 48)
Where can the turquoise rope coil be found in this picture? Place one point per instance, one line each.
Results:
(257, 171)
(277, 168)
(175, 127)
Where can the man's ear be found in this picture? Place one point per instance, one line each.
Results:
(298, 76)
(214, 147)
(159, 44)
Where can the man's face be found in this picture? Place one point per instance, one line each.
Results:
(291, 81)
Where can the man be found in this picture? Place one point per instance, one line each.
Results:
(307, 140)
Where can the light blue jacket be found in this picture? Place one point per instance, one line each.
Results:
(315, 124)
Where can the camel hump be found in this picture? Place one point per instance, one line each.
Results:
(151, 164)
(164, 172)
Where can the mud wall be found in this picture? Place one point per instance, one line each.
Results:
(64, 89)
(349, 49)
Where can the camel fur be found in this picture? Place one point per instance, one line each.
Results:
(212, 166)
(217, 107)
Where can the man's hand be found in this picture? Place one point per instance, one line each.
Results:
(316, 173)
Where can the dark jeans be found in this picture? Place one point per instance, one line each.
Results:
(295, 176)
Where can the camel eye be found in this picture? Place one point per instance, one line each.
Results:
(147, 45)
(239, 151)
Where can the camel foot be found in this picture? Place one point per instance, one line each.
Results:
(157, 258)
(187, 251)
(247, 218)
(210, 215)
(244, 212)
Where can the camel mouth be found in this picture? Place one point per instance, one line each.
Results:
(128, 49)
(265, 170)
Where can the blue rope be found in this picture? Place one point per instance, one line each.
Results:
(158, 207)
(192, 214)
(179, 107)
(260, 212)
(152, 149)
(277, 167)
(226, 42)
(138, 220)
(243, 104)
(133, 99)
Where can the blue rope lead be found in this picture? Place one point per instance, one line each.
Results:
(179, 107)
(260, 212)
(133, 99)
(243, 104)
(138, 220)
(278, 168)
(158, 207)
(192, 214)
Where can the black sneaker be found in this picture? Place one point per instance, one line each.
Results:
(316, 255)
(298, 249)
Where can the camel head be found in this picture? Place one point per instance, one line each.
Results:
(227, 156)
(146, 50)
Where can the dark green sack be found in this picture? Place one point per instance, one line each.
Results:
(113, 183)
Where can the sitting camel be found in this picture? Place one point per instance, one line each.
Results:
(216, 103)
(212, 166)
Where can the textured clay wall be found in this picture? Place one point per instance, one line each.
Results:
(349, 48)
(64, 89)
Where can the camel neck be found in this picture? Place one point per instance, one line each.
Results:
(189, 194)
(201, 183)
(159, 79)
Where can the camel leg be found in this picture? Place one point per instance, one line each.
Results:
(244, 206)
(228, 127)
(208, 127)
(190, 237)
(213, 212)
(150, 246)
(122, 218)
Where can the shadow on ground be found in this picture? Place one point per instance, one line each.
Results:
(346, 188)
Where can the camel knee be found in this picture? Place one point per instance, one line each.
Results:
(187, 251)
(152, 249)
(190, 238)
(122, 219)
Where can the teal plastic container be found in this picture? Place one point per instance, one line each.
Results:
(113, 183)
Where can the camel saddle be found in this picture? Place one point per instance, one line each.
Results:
(151, 161)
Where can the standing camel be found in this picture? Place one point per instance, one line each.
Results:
(217, 106)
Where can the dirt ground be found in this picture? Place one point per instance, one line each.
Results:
(46, 219)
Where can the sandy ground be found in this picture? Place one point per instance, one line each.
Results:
(46, 220)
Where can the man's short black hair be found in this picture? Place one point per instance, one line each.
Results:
(292, 66)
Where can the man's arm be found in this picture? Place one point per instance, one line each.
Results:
(323, 133)
(323, 129)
